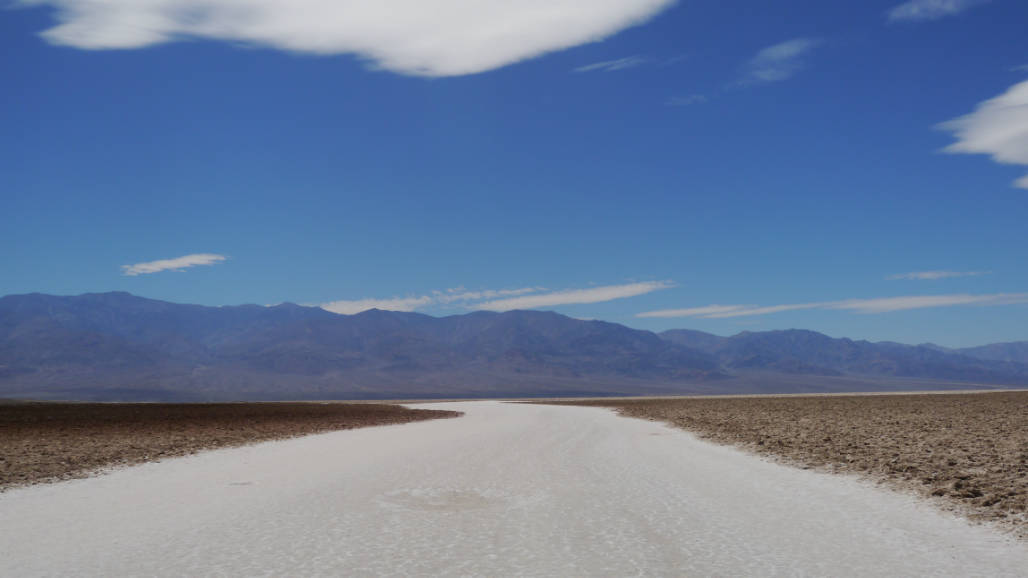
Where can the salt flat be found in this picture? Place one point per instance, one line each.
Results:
(509, 489)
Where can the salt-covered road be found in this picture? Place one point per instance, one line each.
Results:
(508, 489)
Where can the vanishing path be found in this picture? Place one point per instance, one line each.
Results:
(506, 490)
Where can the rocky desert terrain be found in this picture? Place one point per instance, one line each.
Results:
(966, 451)
(43, 441)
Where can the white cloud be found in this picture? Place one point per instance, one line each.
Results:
(998, 127)
(437, 38)
(495, 299)
(778, 62)
(768, 310)
(887, 304)
(176, 264)
(459, 294)
(933, 275)
(921, 10)
(722, 311)
(394, 304)
(878, 305)
(687, 100)
(612, 65)
(575, 296)
(702, 312)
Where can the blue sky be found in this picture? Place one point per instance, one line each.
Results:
(855, 168)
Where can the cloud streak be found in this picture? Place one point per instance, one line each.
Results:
(922, 10)
(497, 299)
(413, 303)
(867, 306)
(394, 304)
(575, 296)
(177, 264)
(889, 304)
(998, 127)
(460, 294)
(414, 37)
(934, 275)
(613, 65)
(779, 62)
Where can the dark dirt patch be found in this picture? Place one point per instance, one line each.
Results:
(50, 441)
(967, 451)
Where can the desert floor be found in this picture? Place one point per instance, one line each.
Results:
(967, 452)
(46, 441)
(508, 489)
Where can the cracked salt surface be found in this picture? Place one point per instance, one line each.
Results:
(506, 490)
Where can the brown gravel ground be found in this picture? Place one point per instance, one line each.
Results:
(966, 452)
(42, 442)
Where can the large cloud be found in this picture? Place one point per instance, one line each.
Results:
(418, 37)
(998, 127)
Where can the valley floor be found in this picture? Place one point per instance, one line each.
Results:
(965, 451)
(47, 441)
(508, 489)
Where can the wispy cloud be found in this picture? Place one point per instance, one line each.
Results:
(612, 65)
(779, 62)
(575, 296)
(722, 311)
(176, 264)
(877, 305)
(1019, 68)
(934, 275)
(462, 295)
(393, 304)
(998, 127)
(442, 38)
(687, 100)
(496, 299)
(702, 312)
(888, 304)
(921, 10)
(457, 295)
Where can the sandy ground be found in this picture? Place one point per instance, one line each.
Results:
(509, 489)
(967, 452)
(44, 441)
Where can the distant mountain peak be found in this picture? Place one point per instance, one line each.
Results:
(118, 345)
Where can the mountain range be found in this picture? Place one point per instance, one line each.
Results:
(107, 346)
